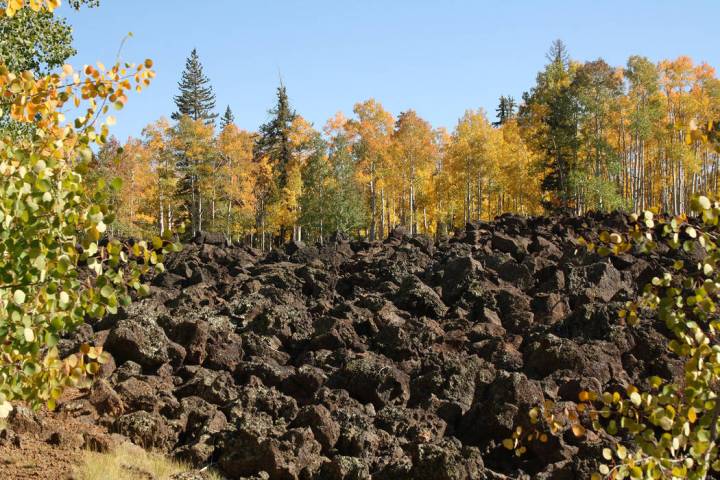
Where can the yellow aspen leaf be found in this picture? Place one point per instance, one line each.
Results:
(621, 452)
(533, 415)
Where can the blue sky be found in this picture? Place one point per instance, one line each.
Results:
(437, 57)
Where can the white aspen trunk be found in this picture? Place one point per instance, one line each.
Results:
(479, 198)
(373, 202)
(200, 213)
(412, 209)
(468, 197)
(229, 221)
(262, 230)
(193, 214)
(382, 214)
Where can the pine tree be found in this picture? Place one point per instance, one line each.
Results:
(550, 111)
(196, 98)
(227, 119)
(274, 140)
(505, 110)
(558, 54)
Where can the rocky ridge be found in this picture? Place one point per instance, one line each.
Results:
(402, 359)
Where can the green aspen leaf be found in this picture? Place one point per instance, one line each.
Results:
(28, 334)
(5, 409)
(666, 423)
(704, 202)
(107, 291)
(19, 297)
(64, 299)
(51, 339)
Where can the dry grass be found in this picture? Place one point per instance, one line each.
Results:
(129, 462)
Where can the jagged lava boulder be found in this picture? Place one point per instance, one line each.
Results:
(402, 359)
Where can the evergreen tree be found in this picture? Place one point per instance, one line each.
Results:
(505, 110)
(274, 140)
(227, 119)
(558, 54)
(550, 113)
(196, 98)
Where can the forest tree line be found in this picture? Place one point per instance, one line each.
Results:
(587, 136)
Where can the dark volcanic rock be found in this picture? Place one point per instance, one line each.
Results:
(149, 430)
(402, 359)
(417, 297)
(374, 379)
(140, 339)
